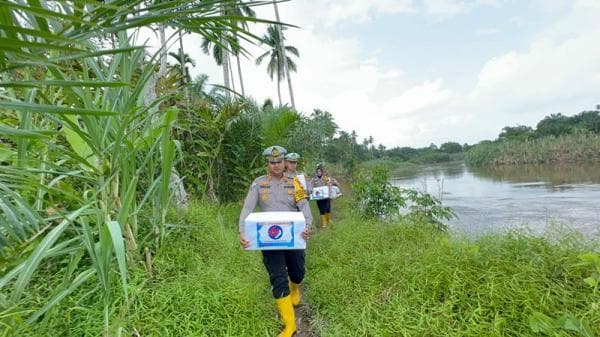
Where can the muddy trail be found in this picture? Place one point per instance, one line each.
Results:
(303, 322)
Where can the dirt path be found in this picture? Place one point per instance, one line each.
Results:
(303, 318)
(303, 321)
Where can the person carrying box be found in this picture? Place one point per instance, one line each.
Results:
(321, 179)
(277, 192)
(291, 165)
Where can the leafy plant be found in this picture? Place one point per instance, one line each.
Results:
(378, 198)
(86, 144)
(425, 207)
(375, 196)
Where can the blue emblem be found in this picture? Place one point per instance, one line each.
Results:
(275, 232)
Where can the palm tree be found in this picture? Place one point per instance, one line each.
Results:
(282, 47)
(182, 60)
(230, 43)
(276, 65)
(221, 57)
(242, 9)
(199, 85)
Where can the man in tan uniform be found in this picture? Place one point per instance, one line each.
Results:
(277, 192)
(291, 165)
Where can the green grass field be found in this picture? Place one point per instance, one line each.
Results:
(363, 279)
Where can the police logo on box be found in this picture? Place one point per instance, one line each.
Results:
(275, 232)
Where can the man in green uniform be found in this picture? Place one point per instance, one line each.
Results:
(277, 192)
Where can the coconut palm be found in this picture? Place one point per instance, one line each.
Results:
(278, 53)
(241, 10)
(221, 57)
(182, 60)
(282, 47)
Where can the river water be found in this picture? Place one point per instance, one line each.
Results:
(525, 197)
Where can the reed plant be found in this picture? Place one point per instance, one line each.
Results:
(86, 143)
(569, 148)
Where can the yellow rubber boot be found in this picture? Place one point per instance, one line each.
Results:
(295, 293)
(328, 218)
(323, 221)
(286, 311)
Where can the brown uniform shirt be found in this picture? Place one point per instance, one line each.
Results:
(323, 181)
(273, 195)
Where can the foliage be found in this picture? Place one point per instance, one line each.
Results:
(420, 281)
(375, 195)
(196, 289)
(554, 125)
(517, 133)
(84, 147)
(378, 198)
(279, 59)
(311, 135)
(411, 280)
(556, 139)
(425, 208)
(577, 147)
(222, 143)
(451, 147)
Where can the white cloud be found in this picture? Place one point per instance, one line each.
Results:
(487, 31)
(444, 7)
(558, 72)
(362, 11)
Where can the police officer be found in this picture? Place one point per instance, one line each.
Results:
(321, 178)
(276, 192)
(291, 165)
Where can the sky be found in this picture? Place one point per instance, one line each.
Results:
(412, 73)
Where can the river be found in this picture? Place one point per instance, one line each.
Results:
(526, 197)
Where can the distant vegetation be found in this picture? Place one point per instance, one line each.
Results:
(556, 139)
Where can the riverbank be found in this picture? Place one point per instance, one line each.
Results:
(570, 148)
(364, 278)
(405, 279)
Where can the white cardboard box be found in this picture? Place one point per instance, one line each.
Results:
(324, 192)
(319, 193)
(275, 230)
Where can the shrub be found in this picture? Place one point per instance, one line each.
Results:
(378, 198)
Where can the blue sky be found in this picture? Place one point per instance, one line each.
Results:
(410, 72)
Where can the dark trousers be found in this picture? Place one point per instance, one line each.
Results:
(282, 264)
(324, 206)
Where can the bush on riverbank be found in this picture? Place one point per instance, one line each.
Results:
(578, 147)
(375, 197)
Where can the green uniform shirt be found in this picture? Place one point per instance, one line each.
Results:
(273, 195)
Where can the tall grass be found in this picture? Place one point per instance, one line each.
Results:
(83, 151)
(203, 285)
(578, 147)
(364, 278)
(372, 279)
